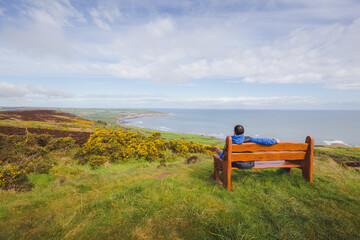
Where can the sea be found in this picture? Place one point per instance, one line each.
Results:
(327, 127)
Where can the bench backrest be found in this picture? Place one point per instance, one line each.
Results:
(257, 152)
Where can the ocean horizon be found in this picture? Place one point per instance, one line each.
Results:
(326, 126)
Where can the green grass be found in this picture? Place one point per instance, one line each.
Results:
(172, 135)
(105, 115)
(95, 114)
(137, 200)
(341, 154)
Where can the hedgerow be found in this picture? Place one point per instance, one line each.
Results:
(121, 145)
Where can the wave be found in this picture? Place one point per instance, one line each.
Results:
(164, 129)
(335, 142)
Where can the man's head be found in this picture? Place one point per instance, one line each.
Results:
(238, 129)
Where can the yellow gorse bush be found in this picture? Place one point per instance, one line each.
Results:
(31, 153)
(120, 145)
(11, 177)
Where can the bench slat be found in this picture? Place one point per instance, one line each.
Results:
(282, 146)
(266, 156)
(275, 164)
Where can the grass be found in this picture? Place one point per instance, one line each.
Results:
(65, 126)
(342, 154)
(140, 200)
(137, 200)
(105, 115)
(172, 135)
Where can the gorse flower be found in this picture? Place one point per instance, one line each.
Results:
(11, 177)
(120, 145)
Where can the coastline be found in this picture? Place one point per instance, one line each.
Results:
(217, 123)
(132, 115)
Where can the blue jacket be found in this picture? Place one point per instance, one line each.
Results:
(239, 139)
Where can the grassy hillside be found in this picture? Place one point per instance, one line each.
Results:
(97, 114)
(139, 199)
(171, 135)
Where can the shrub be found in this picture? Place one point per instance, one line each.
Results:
(120, 145)
(97, 161)
(42, 139)
(37, 165)
(12, 177)
(26, 154)
(66, 144)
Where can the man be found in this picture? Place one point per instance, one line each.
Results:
(239, 138)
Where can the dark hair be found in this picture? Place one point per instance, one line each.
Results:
(238, 129)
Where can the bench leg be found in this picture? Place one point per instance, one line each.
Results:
(307, 172)
(227, 178)
(289, 170)
(307, 165)
(216, 175)
(218, 166)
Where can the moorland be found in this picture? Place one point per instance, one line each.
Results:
(64, 176)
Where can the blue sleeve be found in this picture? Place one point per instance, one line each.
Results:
(264, 141)
(222, 154)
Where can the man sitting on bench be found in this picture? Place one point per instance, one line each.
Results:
(239, 138)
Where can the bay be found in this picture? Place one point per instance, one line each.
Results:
(326, 126)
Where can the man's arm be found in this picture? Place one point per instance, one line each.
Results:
(222, 154)
(264, 141)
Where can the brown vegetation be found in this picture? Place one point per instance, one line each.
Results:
(38, 115)
(79, 137)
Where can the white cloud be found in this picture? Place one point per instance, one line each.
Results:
(38, 32)
(55, 13)
(328, 54)
(160, 27)
(8, 90)
(255, 101)
(121, 96)
(105, 14)
(223, 40)
(98, 21)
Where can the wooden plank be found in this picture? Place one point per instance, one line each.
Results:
(275, 164)
(283, 146)
(266, 156)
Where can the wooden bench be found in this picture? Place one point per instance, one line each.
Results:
(281, 155)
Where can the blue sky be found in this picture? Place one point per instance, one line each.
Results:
(180, 54)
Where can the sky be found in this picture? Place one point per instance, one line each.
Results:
(260, 54)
